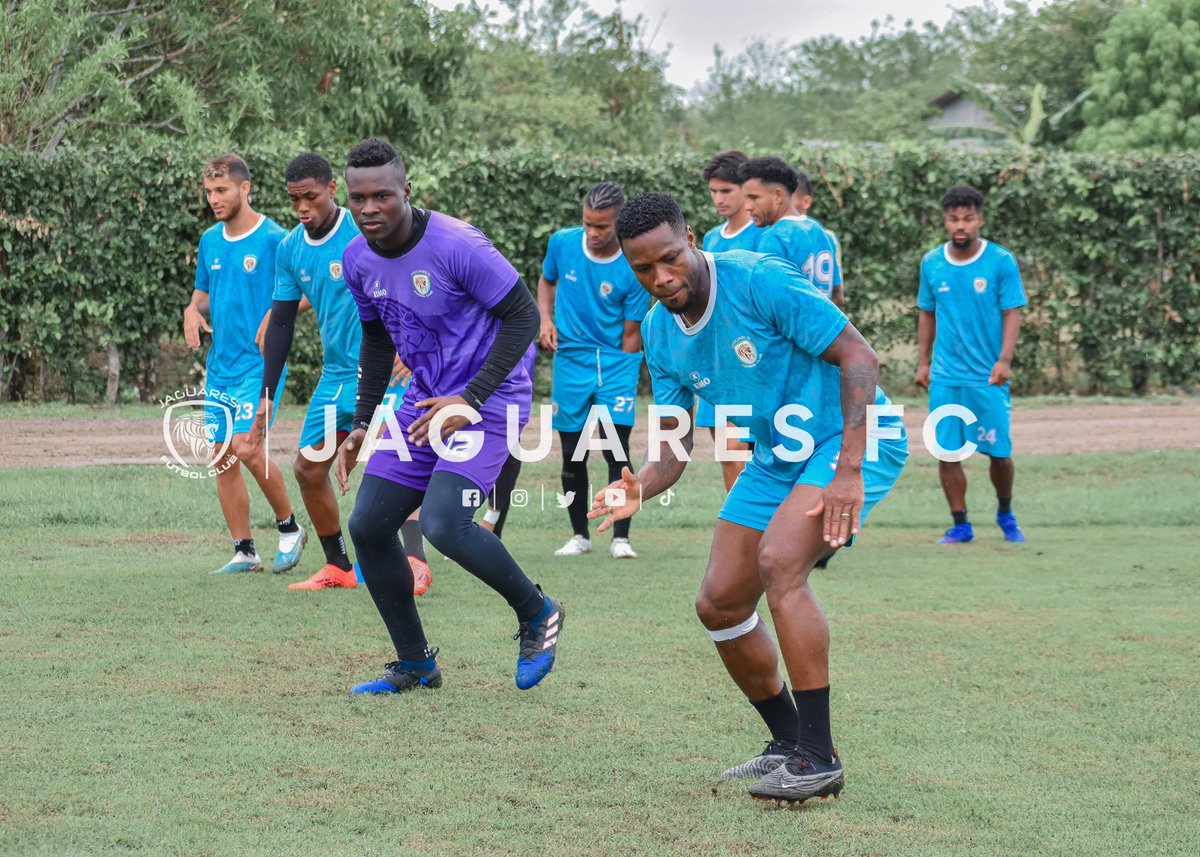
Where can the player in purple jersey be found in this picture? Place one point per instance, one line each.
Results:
(435, 291)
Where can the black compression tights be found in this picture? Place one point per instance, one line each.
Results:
(575, 478)
(502, 493)
(379, 510)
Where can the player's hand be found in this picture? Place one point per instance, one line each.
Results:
(840, 506)
(193, 323)
(258, 429)
(400, 372)
(418, 432)
(260, 338)
(628, 488)
(921, 379)
(548, 335)
(1001, 372)
(347, 457)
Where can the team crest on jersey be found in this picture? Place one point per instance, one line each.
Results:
(606, 289)
(746, 351)
(249, 263)
(422, 284)
(335, 270)
(980, 285)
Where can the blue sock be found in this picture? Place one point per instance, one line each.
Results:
(423, 666)
(544, 612)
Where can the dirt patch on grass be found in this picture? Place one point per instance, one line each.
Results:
(66, 442)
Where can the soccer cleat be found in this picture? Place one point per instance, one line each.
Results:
(291, 545)
(576, 546)
(622, 549)
(772, 756)
(422, 578)
(799, 778)
(240, 563)
(539, 642)
(957, 535)
(1008, 523)
(329, 577)
(397, 678)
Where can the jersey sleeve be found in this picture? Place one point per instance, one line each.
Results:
(667, 390)
(481, 271)
(550, 263)
(1012, 290)
(794, 306)
(710, 238)
(201, 282)
(837, 258)
(637, 301)
(287, 287)
(366, 309)
(925, 296)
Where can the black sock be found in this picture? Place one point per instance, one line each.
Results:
(960, 517)
(620, 528)
(1004, 505)
(288, 525)
(812, 709)
(335, 551)
(575, 479)
(779, 713)
(414, 544)
(245, 546)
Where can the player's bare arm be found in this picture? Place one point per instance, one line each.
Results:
(842, 501)
(347, 457)
(548, 333)
(654, 478)
(193, 319)
(926, 330)
(631, 337)
(1002, 371)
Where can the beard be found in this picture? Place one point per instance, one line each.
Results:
(231, 211)
(960, 245)
(687, 305)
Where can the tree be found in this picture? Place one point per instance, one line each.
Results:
(1146, 88)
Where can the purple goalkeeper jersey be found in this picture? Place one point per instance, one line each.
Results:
(434, 299)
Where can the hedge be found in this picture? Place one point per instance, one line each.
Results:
(98, 247)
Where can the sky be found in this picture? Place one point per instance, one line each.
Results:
(691, 28)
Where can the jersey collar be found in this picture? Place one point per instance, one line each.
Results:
(336, 226)
(712, 300)
(725, 226)
(597, 259)
(946, 252)
(246, 234)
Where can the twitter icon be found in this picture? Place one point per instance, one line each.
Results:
(565, 500)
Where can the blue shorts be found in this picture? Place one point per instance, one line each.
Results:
(331, 409)
(584, 377)
(394, 396)
(235, 405)
(992, 407)
(761, 488)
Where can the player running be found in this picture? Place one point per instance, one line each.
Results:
(759, 333)
(235, 270)
(591, 307)
(436, 291)
(970, 300)
(768, 184)
(802, 200)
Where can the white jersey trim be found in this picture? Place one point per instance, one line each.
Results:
(946, 252)
(597, 259)
(318, 242)
(262, 218)
(727, 236)
(712, 300)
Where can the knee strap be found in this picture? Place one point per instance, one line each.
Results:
(736, 631)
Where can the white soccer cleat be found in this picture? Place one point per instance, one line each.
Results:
(622, 549)
(240, 564)
(576, 546)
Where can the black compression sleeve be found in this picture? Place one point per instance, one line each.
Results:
(376, 356)
(519, 320)
(278, 342)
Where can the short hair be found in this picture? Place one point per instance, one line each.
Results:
(308, 165)
(227, 165)
(604, 195)
(374, 152)
(648, 211)
(962, 196)
(724, 166)
(769, 170)
(803, 183)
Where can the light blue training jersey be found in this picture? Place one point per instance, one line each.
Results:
(310, 268)
(837, 249)
(239, 276)
(805, 243)
(594, 297)
(718, 239)
(759, 344)
(968, 299)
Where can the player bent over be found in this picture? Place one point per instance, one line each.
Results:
(434, 290)
(759, 333)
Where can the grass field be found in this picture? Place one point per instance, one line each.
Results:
(987, 699)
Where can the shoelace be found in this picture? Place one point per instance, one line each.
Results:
(528, 635)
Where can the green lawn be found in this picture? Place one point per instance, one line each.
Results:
(988, 699)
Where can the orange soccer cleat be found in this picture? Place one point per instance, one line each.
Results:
(422, 578)
(329, 577)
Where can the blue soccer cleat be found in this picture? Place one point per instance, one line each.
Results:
(291, 545)
(1008, 523)
(539, 641)
(957, 535)
(398, 678)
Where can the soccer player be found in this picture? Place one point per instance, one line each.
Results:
(802, 199)
(970, 302)
(591, 307)
(235, 273)
(761, 335)
(768, 184)
(738, 232)
(434, 290)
